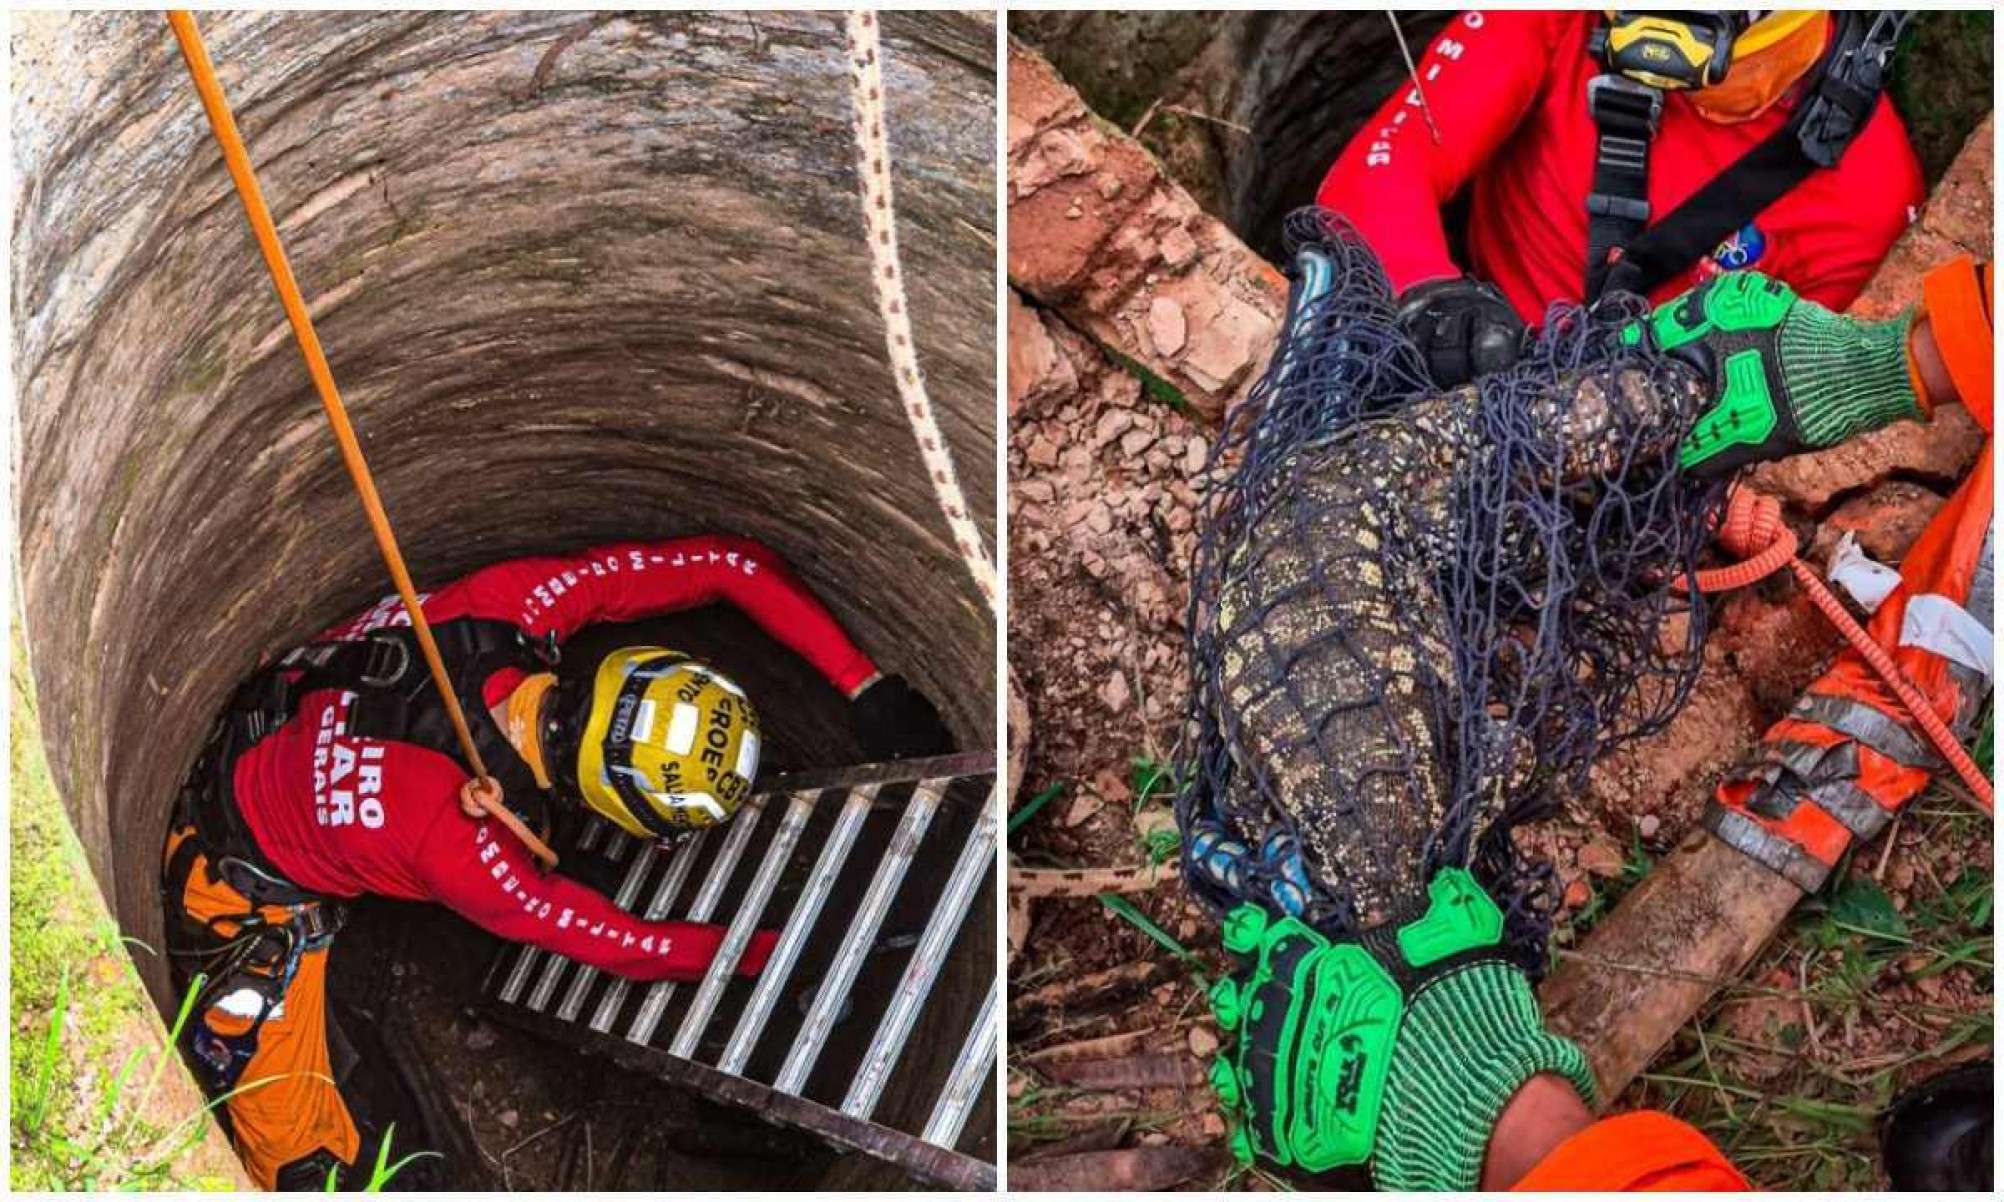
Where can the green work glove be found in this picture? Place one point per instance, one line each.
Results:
(1401, 1049)
(1788, 374)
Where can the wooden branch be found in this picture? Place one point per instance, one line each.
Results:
(1165, 1070)
(1085, 882)
(1697, 919)
(1094, 988)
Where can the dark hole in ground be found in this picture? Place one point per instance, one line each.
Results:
(512, 1110)
(542, 349)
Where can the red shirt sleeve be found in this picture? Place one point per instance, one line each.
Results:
(486, 875)
(621, 582)
(1480, 76)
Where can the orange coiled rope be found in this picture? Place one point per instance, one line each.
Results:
(1752, 529)
(483, 791)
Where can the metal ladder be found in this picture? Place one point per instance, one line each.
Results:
(869, 874)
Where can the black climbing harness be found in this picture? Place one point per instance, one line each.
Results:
(394, 700)
(1627, 254)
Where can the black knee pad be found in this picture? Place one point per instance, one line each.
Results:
(309, 1173)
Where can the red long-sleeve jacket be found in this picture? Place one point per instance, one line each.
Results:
(1507, 91)
(348, 816)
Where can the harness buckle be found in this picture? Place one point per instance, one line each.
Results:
(1627, 115)
(383, 651)
(544, 650)
(258, 886)
(317, 923)
(1619, 101)
(1600, 204)
(1624, 153)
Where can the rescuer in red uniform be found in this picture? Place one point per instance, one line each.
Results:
(336, 774)
(1623, 151)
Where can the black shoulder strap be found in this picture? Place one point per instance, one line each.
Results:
(1849, 80)
(396, 697)
(1714, 212)
(1626, 114)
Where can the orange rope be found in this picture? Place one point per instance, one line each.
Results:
(483, 790)
(1753, 528)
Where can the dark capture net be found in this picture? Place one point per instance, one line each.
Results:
(1418, 618)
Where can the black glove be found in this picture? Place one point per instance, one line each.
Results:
(1463, 328)
(895, 721)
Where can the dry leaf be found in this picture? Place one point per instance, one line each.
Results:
(1601, 858)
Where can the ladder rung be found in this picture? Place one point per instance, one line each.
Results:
(861, 935)
(665, 895)
(976, 864)
(806, 911)
(629, 888)
(518, 976)
(525, 961)
(700, 909)
(743, 923)
(970, 1073)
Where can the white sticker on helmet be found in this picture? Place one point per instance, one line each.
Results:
(643, 723)
(748, 756)
(682, 728)
(706, 673)
(673, 802)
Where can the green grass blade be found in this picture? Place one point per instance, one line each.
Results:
(1028, 809)
(36, 1112)
(1146, 925)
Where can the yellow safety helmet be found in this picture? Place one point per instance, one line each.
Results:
(1692, 49)
(669, 744)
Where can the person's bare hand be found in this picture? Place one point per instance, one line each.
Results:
(480, 797)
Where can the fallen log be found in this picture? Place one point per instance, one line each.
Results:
(1693, 923)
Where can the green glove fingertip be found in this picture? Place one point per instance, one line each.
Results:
(1225, 1083)
(1227, 1004)
(1244, 927)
